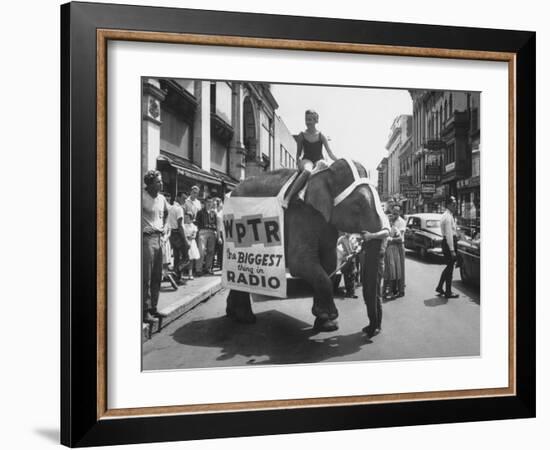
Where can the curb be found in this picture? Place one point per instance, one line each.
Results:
(177, 309)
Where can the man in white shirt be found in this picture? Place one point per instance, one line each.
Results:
(178, 241)
(192, 205)
(401, 225)
(153, 215)
(448, 231)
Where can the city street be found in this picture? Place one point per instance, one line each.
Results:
(419, 325)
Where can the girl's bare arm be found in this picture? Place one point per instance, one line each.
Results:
(327, 147)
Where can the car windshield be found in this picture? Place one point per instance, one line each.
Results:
(432, 223)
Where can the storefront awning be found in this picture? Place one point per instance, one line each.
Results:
(190, 170)
(229, 181)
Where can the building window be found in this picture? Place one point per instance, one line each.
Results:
(271, 142)
(188, 85)
(176, 134)
(475, 119)
(220, 100)
(218, 156)
(449, 154)
(213, 96)
(475, 165)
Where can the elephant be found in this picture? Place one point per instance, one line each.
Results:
(311, 231)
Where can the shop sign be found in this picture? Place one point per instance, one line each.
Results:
(468, 183)
(434, 144)
(405, 180)
(432, 169)
(428, 188)
(410, 191)
(430, 178)
(450, 167)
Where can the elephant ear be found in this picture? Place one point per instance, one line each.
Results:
(319, 193)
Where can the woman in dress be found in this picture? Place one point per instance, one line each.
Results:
(393, 268)
(190, 230)
(309, 152)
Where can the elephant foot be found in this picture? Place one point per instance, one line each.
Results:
(325, 324)
(323, 314)
(239, 308)
(371, 331)
(319, 313)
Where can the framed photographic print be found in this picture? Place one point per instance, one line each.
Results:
(277, 224)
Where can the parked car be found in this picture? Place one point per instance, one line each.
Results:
(468, 249)
(423, 234)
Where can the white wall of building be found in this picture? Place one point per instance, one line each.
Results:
(285, 146)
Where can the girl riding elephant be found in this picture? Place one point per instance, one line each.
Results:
(309, 142)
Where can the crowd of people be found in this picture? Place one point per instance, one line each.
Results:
(181, 240)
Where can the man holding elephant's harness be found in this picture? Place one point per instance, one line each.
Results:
(374, 247)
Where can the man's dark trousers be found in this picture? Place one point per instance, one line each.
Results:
(152, 271)
(180, 249)
(372, 275)
(447, 274)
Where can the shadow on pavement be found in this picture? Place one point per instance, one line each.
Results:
(275, 338)
(430, 259)
(468, 290)
(436, 301)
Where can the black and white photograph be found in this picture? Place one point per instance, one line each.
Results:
(307, 224)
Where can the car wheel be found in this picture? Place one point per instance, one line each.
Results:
(464, 275)
(423, 253)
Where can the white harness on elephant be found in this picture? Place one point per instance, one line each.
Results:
(359, 181)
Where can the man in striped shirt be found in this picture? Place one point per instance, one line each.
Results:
(448, 231)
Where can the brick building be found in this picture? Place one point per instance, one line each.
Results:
(445, 151)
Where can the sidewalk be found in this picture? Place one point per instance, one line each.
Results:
(175, 303)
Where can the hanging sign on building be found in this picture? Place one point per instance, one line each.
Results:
(253, 252)
(450, 167)
(405, 180)
(410, 191)
(428, 188)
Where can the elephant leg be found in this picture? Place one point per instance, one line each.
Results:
(314, 274)
(323, 308)
(328, 263)
(239, 307)
(308, 237)
(373, 275)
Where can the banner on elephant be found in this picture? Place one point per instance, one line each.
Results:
(253, 251)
